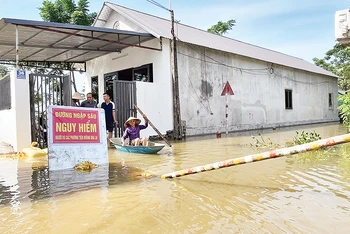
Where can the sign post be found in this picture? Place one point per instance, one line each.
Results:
(226, 92)
(76, 134)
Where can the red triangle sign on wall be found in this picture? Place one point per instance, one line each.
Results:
(227, 90)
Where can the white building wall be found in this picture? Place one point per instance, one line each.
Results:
(15, 127)
(259, 99)
(117, 21)
(258, 102)
(154, 99)
(7, 126)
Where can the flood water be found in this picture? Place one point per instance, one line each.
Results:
(304, 193)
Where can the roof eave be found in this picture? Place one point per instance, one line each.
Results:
(111, 5)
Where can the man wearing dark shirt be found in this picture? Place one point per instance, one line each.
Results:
(89, 102)
(109, 108)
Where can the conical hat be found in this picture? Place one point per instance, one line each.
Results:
(138, 121)
(77, 96)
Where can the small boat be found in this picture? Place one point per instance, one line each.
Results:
(151, 148)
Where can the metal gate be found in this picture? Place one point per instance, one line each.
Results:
(45, 90)
(124, 99)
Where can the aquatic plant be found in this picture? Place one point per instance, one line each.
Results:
(306, 137)
(261, 142)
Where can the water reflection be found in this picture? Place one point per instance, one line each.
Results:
(304, 193)
(9, 193)
(45, 183)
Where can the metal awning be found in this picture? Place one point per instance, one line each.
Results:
(55, 42)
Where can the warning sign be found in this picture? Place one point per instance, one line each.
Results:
(227, 90)
(76, 134)
(75, 126)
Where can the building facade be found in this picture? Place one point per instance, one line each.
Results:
(271, 89)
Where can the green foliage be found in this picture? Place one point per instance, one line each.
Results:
(67, 11)
(81, 15)
(222, 28)
(53, 69)
(3, 70)
(261, 142)
(306, 137)
(344, 108)
(61, 11)
(337, 61)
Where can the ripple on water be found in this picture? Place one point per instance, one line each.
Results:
(306, 193)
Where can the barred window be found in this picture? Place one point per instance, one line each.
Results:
(5, 93)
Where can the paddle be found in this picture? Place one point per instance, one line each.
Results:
(150, 123)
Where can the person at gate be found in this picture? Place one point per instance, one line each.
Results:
(76, 98)
(132, 131)
(89, 102)
(110, 114)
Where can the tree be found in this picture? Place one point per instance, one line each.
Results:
(344, 109)
(222, 28)
(3, 70)
(67, 11)
(81, 15)
(337, 60)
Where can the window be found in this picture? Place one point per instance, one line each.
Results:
(330, 100)
(143, 73)
(109, 78)
(288, 99)
(94, 87)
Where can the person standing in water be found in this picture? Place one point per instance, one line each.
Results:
(75, 99)
(89, 102)
(132, 131)
(110, 114)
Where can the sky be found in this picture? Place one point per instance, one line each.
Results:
(301, 28)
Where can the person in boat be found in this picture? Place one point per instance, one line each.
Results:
(132, 131)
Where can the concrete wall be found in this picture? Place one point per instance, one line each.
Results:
(154, 99)
(259, 99)
(15, 126)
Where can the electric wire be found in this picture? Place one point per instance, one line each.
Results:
(252, 71)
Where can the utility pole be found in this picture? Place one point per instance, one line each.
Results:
(175, 77)
(177, 128)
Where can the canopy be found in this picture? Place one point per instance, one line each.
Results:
(56, 42)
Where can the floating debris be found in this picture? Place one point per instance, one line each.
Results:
(85, 166)
(145, 175)
(18, 155)
(39, 165)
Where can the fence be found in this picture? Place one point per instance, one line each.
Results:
(5, 93)
(45, 90)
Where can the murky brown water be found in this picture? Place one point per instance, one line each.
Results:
(306, 193)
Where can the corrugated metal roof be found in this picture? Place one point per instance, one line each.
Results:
(161, 28)
(56, 42)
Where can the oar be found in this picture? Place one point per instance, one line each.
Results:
(150, 123)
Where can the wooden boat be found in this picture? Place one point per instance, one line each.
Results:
(151, 148)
